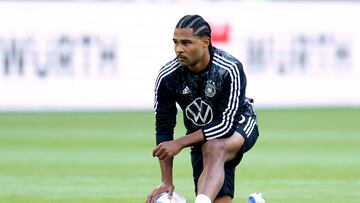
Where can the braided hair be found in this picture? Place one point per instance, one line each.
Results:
(200, 27)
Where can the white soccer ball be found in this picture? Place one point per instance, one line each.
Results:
(256, 198)
(176, 198)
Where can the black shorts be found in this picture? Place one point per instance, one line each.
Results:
(249, 130)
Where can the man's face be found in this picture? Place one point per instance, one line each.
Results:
(189, 48)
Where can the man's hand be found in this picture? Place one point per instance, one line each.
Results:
(167, 149)
(164, 187)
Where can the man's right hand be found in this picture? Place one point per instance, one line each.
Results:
(164, 187)
(167, 150)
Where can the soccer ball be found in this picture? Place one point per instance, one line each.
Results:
(256, 198)
(176, 198)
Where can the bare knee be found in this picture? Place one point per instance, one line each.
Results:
(213, 150)
(222, 149)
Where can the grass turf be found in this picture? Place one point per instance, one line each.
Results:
(302, 155)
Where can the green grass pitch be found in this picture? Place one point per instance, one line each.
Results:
(302, 155)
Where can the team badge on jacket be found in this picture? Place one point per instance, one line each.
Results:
(210, 89)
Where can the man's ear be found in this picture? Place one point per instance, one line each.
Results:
(206, 41)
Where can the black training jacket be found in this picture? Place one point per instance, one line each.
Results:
(211, 100)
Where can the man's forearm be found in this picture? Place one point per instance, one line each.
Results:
(191, 139)
(166, 166)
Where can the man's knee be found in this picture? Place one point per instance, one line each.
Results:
(213, 148)
(223, 149)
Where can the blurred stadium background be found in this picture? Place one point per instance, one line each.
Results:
(76, 96)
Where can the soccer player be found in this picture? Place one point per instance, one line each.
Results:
(209, 86)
